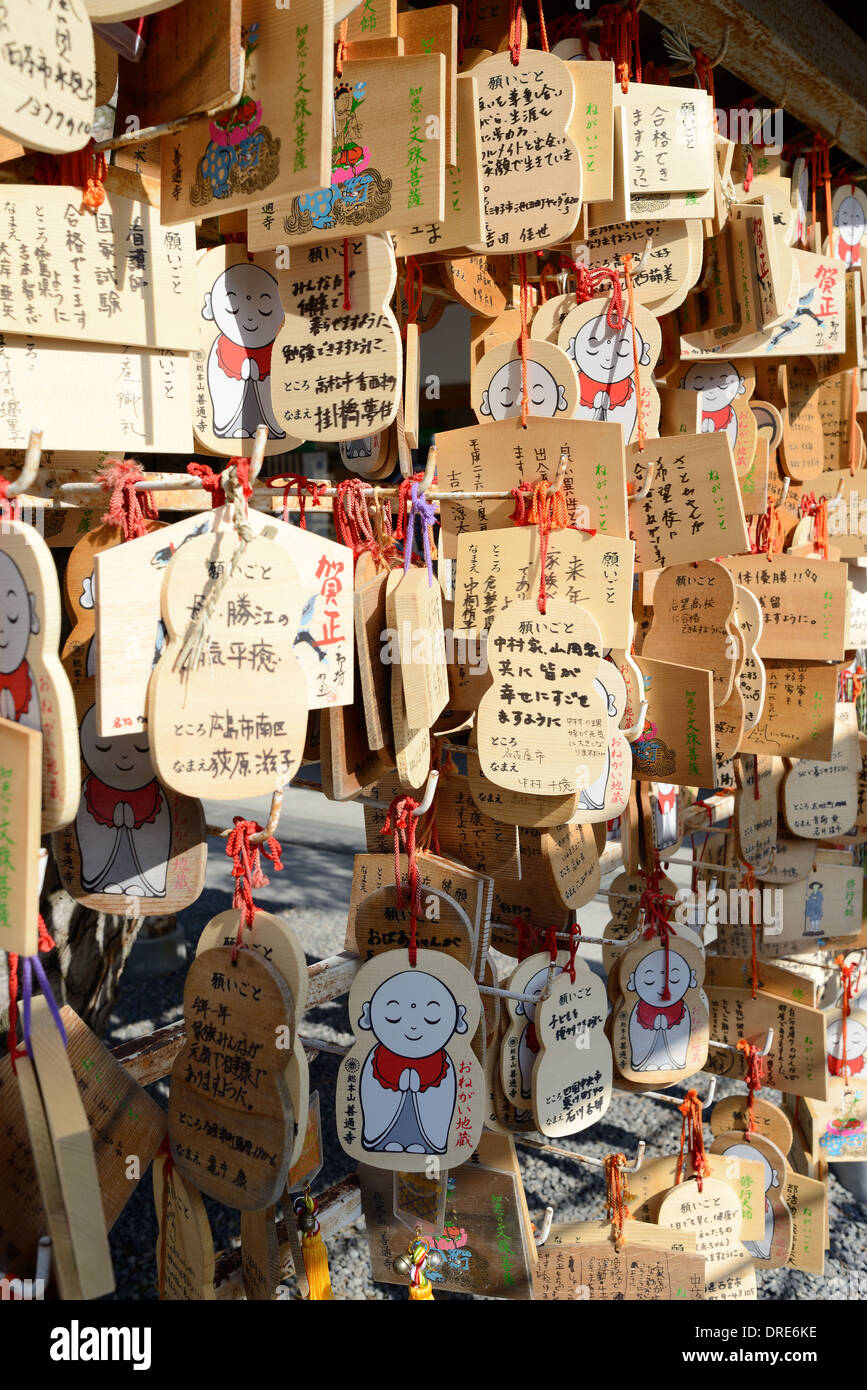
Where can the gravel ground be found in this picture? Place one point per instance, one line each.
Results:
(319, 839)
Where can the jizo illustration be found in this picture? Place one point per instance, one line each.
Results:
(718, 383)
(408, 1081)
(660, 1025)
(853, 1063)
(19, 696)
(497, 386)
(244, 303)
(609, 360)
(849, 214)
(124, 824)
(528, 1047)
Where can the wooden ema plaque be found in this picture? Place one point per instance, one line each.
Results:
(242, 732)
(411, 1089)
(579, 1262)
(540, 98)
(714, 1215)
(485, 1236)
(275, 142)
(332, 379)
(20, 818)
(185, 1249)
(34, 689)
(693, 607)
(192, 61)
(386, 161)
(48, 104)
(614, 366)
(503, 455)
(272, 938)
(240, 1021)
(795, 1063)
(677, 742)
(694, 505)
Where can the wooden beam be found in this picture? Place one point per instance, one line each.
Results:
(797, 53)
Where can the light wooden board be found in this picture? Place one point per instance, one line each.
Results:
(444, 1119)
(693, 509)
(272, 938)
(669, 138)
(275, 143)
(497, 382)
(107, 11)
(715, 1216)
(128, 614)
(797, 719)
(20, 821)
(692, 610)
(46, 1175)
(591, 128)
(144, 396)
(192, 61)
(499, 568)
(384, 172)
(463, 219)
(48, 102)
(501, 455)
(645, 1049)
(664, 275)
(796, 1061)
(644, 1270)
(110, 276)
(73, 1153)
(337, 371)
(435, 30)
(419, 617)
(820, 799)
(239, 730)
(121, 1115)
(540, 90)
(803, 605)
(184, 1240)
(677, 744)
(755, 815)
(36, 692)
(816, 326)
(545, 716)
(549, 806)
(614, 365)
(249, 1005)
(570, 1094)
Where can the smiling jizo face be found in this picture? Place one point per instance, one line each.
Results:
(16, 616)
(648, 981)
(413, 1014)
(502, 400)
(718, 383)
(850, 221)
(856, 1039)
(747, 1151)
(123, 762)
(245, 305)
(606, 354)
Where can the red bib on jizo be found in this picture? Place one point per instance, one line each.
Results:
(20, 683)
(618, 392)
(388, 1066)
(231, 357)
(101, 801)
(673, 1013)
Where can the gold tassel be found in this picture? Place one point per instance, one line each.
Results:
(316, 1266)
(314, 1251)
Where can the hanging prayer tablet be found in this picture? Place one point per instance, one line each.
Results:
(612, 364)
(238, 731)
(660, 1027)
(34, 689)
(336, 369)
(410, 1089)
(234, 1010)
(525, 113)
(240, 315)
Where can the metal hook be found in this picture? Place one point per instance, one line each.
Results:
(631, 1167)
(545, 1229)
(724, 47)
(560, 475)
(645, 487)
(432, 778)
(430, 469)
(678, 1100)
(730, 1047)
(257, 457)
(27, 477)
